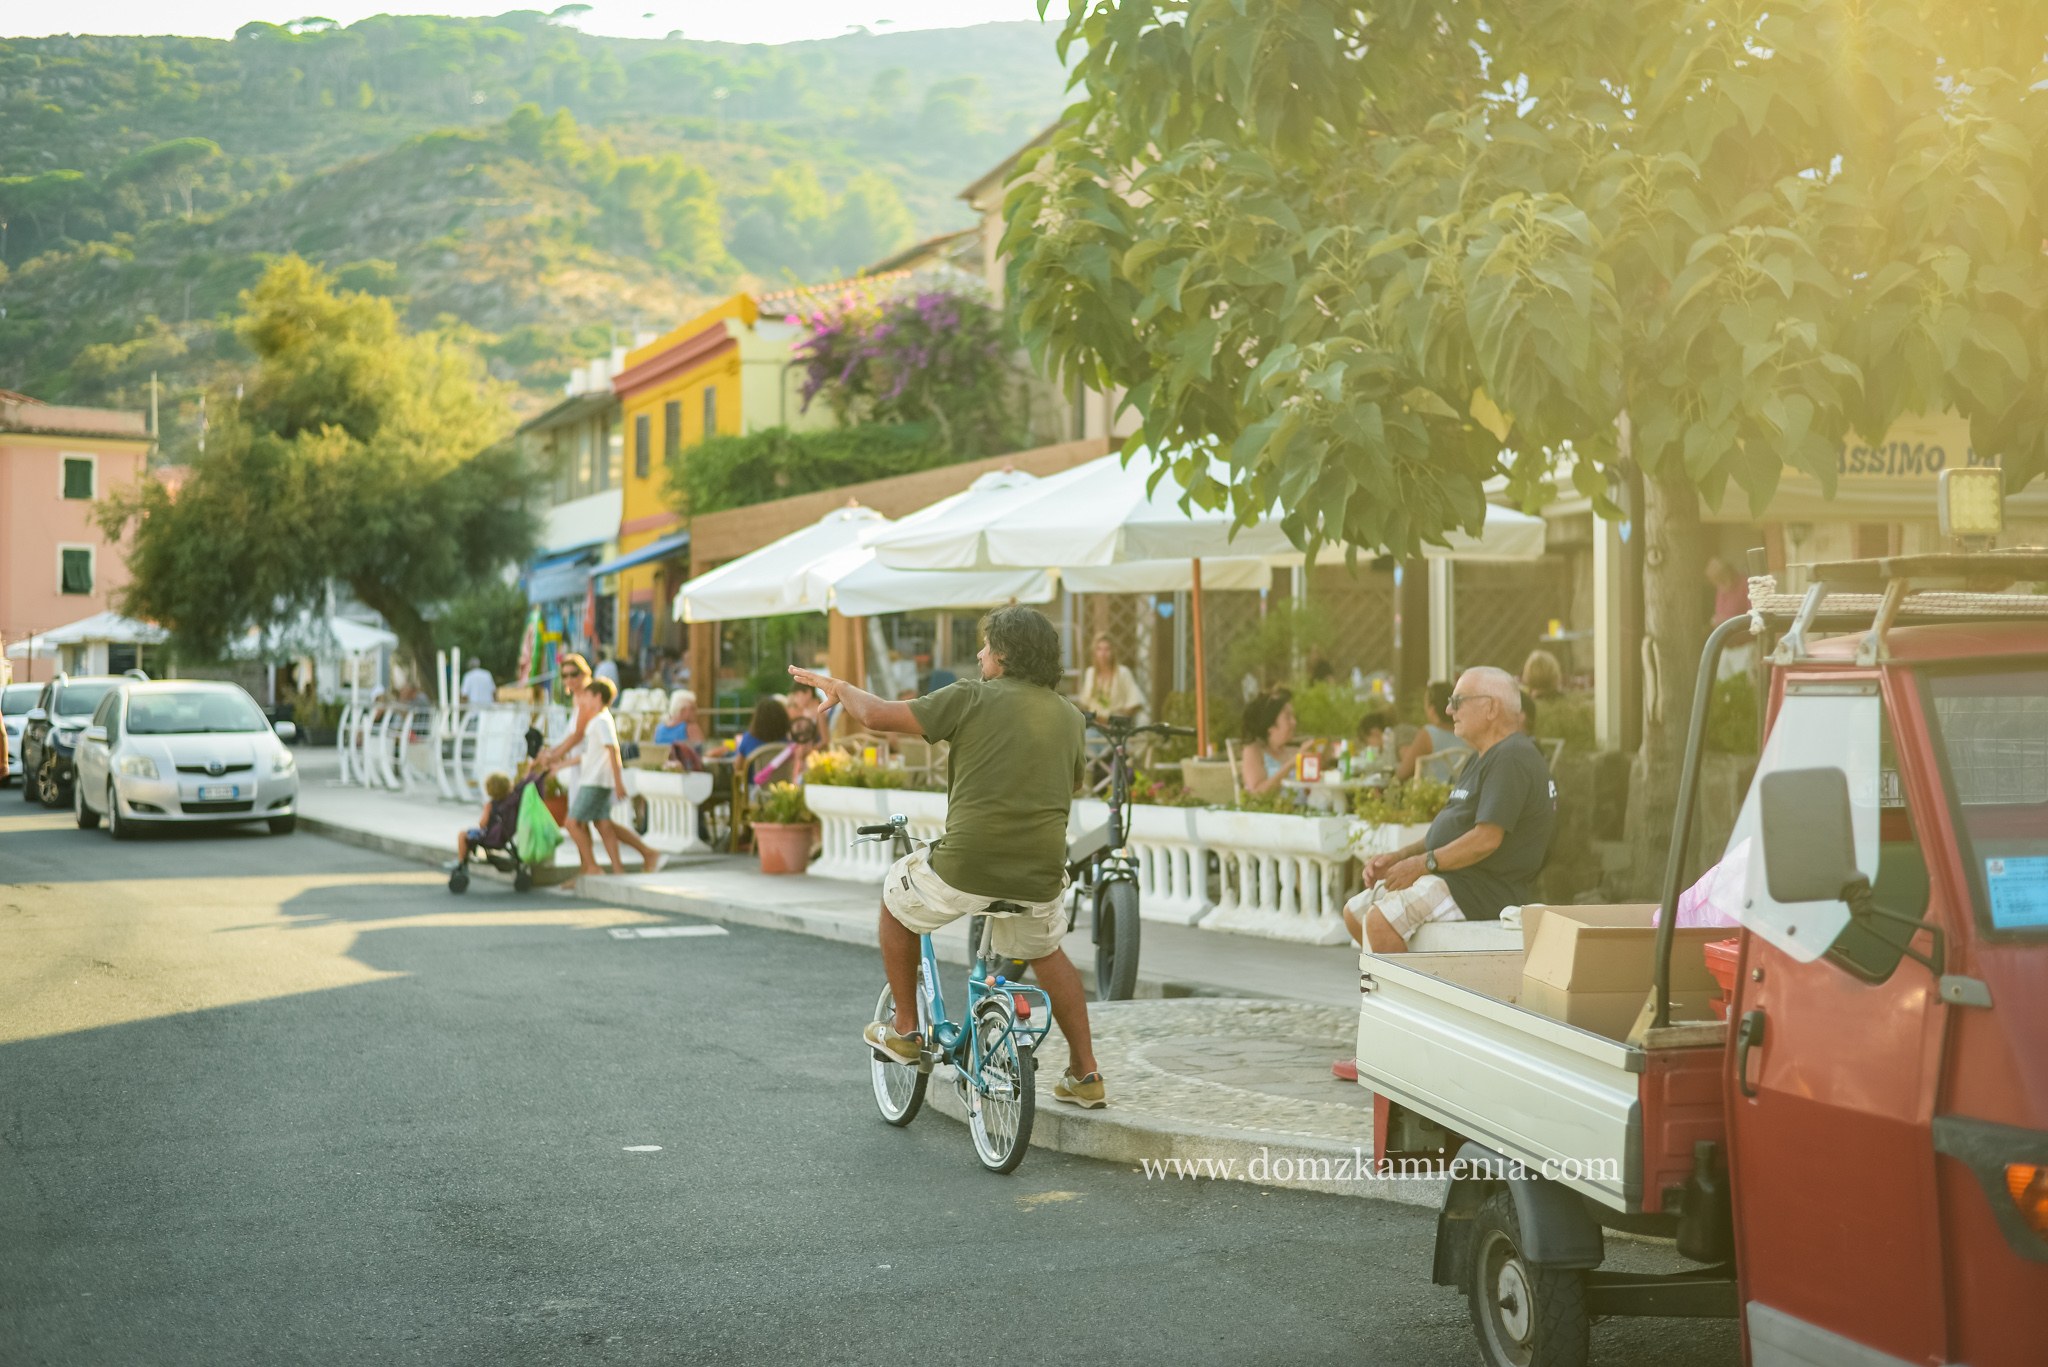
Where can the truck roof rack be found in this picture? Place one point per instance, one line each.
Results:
(1874, 594)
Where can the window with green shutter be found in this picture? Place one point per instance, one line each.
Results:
(671, 430)
(642, 439)
(78, 477)
(710, 412)
(77, 569)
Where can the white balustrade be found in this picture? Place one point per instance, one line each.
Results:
(1284, 877)
(841, 810)
(1173, 863)
(672, 802)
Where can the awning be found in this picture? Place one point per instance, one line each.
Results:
(588, 521)
(658, 549)
(562, 576)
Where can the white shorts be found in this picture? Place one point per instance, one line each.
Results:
(1427, 899)
(922, 902)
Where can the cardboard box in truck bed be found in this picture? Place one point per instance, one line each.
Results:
(1592, 967)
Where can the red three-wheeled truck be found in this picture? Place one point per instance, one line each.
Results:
(1854, 1160)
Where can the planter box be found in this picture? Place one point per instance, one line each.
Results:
(841, 810)
(1284, 877)
(672, 802)
(1370, 838)
(1173, 862)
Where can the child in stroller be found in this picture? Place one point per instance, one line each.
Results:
(491, 838)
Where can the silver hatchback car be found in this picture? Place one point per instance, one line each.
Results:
(183, 751)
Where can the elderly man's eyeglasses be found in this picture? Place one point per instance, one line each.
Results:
(1458, 700)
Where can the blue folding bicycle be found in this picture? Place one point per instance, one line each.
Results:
(991, 1049)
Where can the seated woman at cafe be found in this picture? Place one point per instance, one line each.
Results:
(1107, 687)
(1268, 741)
(769, 725)
(682, 733)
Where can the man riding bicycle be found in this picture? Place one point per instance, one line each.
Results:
(1016, 759)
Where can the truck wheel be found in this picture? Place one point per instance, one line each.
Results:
(1524, 1314)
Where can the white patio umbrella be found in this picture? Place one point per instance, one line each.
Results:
(1108, 512)
(825, 566)
(109, 628)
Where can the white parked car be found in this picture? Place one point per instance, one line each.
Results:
(183, 751)
(15, 701)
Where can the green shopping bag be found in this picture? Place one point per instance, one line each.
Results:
(536, 835)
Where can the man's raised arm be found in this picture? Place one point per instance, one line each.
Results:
(873, 713)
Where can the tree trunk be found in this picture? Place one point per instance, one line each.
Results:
(415, 633)
(1674, 631)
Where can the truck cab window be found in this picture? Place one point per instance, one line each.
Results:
(1872, 951)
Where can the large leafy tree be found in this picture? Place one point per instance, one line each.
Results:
(358, 454)
(1377, 253)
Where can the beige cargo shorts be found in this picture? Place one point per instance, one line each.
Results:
(922, 902)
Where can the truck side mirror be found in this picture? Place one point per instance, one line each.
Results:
(36, 714)
(1808, 838)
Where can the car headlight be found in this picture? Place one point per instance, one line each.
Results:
(283, 762)
(136, 766)
(66, 739)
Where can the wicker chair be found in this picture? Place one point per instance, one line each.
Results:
(1214, 781)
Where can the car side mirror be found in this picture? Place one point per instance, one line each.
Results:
(96, 733)
(37, 714)
(1808, 837)
(287, 731)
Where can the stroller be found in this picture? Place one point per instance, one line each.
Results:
(495, 847)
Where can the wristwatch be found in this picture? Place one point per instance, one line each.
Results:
(1429, 861)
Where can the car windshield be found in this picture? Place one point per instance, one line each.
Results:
(192, 711)
(78, 700)
(16, 699)
(1992, 728)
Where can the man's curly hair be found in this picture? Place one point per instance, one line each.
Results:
(1026, 643)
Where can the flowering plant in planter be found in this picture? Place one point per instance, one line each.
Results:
(783, 829)
(1413, 803)
(837, 770)
(782, 804)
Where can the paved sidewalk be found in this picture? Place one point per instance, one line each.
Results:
(1177, 961)
(1221, 1073)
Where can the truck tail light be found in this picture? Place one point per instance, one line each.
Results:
(2028, 1183)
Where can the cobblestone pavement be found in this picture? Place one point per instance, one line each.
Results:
(1215, 1088)
(1256, 1066)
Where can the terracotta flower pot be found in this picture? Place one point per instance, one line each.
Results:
(784, 849)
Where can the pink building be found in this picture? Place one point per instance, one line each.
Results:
(55, 462)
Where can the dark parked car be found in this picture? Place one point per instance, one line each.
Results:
(50, 732)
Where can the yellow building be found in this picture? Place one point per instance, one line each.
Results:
(727, 371)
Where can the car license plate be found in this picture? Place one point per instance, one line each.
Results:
(216, 792)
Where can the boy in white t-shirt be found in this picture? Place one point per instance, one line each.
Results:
(601, 777)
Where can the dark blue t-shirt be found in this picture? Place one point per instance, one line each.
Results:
(1508, 786)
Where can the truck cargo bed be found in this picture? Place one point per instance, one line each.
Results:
(1566, 1103)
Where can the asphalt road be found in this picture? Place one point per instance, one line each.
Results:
(276, 1100)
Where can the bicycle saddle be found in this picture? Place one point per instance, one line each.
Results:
(1005, 909)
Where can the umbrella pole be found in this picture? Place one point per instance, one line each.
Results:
(1201, 681)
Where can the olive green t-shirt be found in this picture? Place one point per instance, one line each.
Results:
(1016, 760)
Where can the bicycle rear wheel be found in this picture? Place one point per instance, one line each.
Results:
(1000, 1112)
(1116, 940)
(899, 1091)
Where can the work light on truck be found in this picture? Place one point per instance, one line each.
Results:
(1972, 503)
(2028, 1183)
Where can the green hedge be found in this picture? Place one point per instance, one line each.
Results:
(737, 472)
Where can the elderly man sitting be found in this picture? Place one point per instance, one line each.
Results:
(1486, 846)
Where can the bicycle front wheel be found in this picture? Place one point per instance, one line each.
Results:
(1116, 940)
(1000, 1110)
(899, 1091)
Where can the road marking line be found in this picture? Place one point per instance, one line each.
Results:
(663, 932)
(643, 1148)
